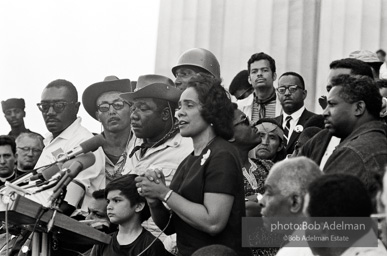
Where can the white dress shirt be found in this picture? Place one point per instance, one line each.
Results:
(91, 179)
(293, 122)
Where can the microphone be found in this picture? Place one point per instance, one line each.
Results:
(55, 170)
(74, 169)
(89, 145)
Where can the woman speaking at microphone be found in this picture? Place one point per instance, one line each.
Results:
(206, 194)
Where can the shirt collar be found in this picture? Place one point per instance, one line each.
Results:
(66, 134)
(295, 115)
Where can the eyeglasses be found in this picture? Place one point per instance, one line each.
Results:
(244, 121)
(58, 106)
(27, 149)
(117, 105)
(244, 94)
(292, 89)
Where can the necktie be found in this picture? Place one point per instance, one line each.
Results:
(287, 127)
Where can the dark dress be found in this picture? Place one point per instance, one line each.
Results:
(216, 170)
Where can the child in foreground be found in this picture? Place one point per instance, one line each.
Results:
(128, 210)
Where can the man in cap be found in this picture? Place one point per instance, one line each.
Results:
(291, 93)
(59, 106)
(158, 143)
(193, 61)
(103, 102)
(262, 74)
(370, 58)
(14, 113)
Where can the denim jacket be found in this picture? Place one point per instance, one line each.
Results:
(361, 154)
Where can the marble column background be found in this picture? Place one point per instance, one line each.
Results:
(301, 35)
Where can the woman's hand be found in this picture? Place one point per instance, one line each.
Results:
(151, 185)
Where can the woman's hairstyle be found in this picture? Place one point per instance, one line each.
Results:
(127, 186)
(217, 108)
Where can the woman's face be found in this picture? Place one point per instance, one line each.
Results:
(191, 122)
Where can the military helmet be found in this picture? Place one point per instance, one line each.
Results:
(201, 58)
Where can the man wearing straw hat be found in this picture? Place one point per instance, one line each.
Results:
(103, 102)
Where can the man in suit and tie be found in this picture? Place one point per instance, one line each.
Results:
(291, 94)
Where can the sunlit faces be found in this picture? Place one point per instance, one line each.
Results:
(119, 208)
(274, 202)
(28, 151)
(57, 122)
(291, 102)
(146, 119)
(191, 122)
(114, 120)
(243, 133)
(7, 161)
(261, 74)
(339, 115)
(14, 116)
(335, 72)
(183, 74)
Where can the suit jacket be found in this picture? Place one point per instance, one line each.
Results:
(292, 141)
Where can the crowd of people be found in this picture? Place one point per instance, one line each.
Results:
(184, 161)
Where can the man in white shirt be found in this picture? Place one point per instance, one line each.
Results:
(59, 106)
(291, 93)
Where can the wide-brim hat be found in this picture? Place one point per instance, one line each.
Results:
(154, 86)
(110, 84)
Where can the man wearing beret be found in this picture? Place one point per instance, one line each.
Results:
(14, 113)
(158, 143)
(103, 102)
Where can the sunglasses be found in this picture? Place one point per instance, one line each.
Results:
(117, 105)
(58, 106)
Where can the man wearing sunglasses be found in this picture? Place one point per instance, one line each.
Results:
(291, 94)
(103, 102)
(59, 106)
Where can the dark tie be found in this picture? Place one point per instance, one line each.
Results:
(287, 127)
